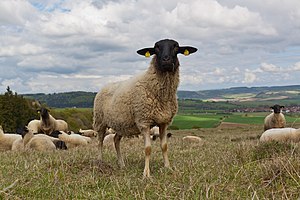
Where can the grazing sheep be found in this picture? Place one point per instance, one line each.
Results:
(87, 133)
(134, 106)
(7, 140)
(47, 124)
(281, 135)
(191, 138)
(72, 140)
(275, 119)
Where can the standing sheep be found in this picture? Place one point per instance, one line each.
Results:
(134, 106)
(275, 119)
(47, 124)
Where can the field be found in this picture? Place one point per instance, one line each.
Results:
(230, 164)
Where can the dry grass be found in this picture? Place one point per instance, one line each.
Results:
(231, 164)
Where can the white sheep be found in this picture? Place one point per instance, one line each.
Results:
(88, 132)
(47, 123)
(72, 140)
(7, 139)
(191, 138)
(275, 119)
(132, 107)
(39, 142)
(281, 135)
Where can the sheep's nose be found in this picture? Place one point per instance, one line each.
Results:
(166, 58)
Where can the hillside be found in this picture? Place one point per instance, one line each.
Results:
(287, 94)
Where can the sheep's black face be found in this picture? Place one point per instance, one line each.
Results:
(44, 113)
(277, 108)
(166, 55)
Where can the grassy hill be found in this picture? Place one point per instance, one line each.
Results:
(230, 164)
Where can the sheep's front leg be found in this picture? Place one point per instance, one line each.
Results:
(147, 141)
(117, 140)
(163, 144)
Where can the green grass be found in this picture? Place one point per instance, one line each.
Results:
(196, 121)
(231, 164)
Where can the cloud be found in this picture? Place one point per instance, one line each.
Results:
(55, 41)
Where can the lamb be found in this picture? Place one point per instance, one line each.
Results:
(40, 142)
(275, 119)
(6, 140)
(281, 135)
(88, 132)
(134, 106)
(47, 124)
(72, 140)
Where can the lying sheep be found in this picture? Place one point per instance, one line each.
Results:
(39, 142)
(191, 138)
(6, 140)
(87, 133)
(281, 135)
(72, 140)
(47, 124)
(134, 106)
(275, 119)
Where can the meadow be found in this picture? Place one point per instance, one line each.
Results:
(230, 164)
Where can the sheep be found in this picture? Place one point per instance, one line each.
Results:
(275, 119)
(88, 132)
(47, 124)
(6, 140)
(191, 138)
(281, 135)
(40, 142)
(134, 106)
(154, 133)
(72, 140)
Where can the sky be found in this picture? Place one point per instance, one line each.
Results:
(53, 46)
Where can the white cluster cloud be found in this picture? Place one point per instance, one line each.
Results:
(57, 45)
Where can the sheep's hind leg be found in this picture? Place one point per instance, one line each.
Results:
(117, 140)
(163, 144)
(101, 134)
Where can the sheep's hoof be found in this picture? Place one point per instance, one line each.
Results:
(146, 173)
(121, 164)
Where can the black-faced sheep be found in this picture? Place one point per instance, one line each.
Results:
(275, 119)
(47, 123)
(39, 142)
(134, 106)
(7, 140)
(281, 135)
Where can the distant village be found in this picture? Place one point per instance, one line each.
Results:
(287, 109)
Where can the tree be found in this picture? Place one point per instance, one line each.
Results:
(15, 111)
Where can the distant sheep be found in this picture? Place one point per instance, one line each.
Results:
(47, 124)
(72, 140)
(191, 138)
(7, 139)
(275, 119)
(132, 107)
(281, 135)
(88, 132)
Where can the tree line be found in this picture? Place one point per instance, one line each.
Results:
(15, 110)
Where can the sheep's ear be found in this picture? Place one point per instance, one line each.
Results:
(281, 106)
(147, 52)
(272, 107)
(187, 50)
